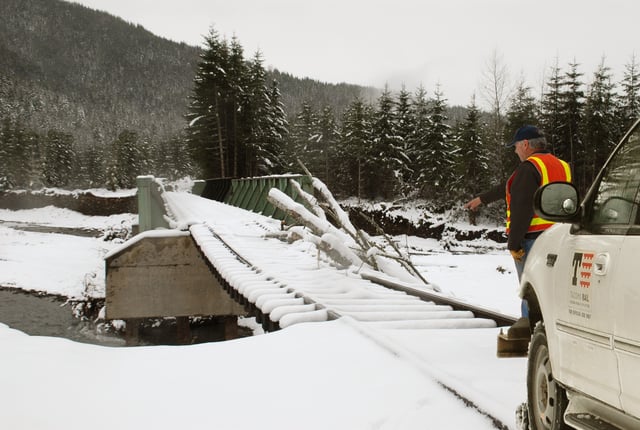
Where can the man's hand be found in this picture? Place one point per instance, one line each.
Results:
(517, 255)
(473, 204)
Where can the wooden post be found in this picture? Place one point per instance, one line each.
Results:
(230, 327)
(183, 331)
(132, 331)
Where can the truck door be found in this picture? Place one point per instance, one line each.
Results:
(626, 339)
(601, 260)
(584, 293)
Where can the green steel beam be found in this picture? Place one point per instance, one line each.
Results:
(251, 193)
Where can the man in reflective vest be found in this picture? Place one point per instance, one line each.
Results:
(537, 167)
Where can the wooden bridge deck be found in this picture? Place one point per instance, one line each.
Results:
(290, 282)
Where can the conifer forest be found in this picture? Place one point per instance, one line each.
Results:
(215, 112)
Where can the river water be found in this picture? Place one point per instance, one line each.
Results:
(75, 231)
(46, 315)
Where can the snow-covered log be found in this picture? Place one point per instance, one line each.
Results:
(338, 212)
(331, 244)
(311, 201)
(334, 242)
(334, 249)
(343, 243)
(318, 225)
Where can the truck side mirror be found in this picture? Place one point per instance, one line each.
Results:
(558, 202)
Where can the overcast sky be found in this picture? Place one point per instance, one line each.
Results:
(428, 42)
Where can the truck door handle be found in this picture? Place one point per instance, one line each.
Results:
(601, 264)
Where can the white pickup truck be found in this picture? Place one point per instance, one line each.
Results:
(583, 291)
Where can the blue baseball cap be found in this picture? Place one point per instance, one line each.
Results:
(526, 132)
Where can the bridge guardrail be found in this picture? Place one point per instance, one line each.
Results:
(246, 193)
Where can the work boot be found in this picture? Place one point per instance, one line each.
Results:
(520, 329)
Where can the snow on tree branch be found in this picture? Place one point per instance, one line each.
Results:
(340, 214)
(334, 242)
(344, 244)
(311, 201)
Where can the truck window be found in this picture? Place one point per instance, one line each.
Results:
(614, 208)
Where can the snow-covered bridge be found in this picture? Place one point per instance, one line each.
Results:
(285, 283)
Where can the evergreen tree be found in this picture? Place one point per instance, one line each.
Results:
(242, 92)
(314, 153)
(386, 155)
(405, 125)
(170, 158)
(235, 129)
(629, 110)
(6, 89)
(125, 163)
(267, 124)
(572, 99)
(59, 156)
(353, 150)
(21, 156)
(599, 130)
(181, 160)
(418, 145)
(303, 139)
(522, 111)
(474, 160)
(329, 137)
(256, 118)
(33, 152)
(6, 160)
(92, 167)
(208, 136)
(270, 156)
(438, 172)
(551, 112)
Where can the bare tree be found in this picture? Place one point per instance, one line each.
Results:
(495, 92)
(495, 84)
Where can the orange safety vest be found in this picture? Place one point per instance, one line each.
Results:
(551, 169)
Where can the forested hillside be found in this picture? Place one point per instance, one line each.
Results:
(87, 99)
(79, 71)
(296, 91)
(72, 74)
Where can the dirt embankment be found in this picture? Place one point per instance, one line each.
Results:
(86, 203)
(394, 224)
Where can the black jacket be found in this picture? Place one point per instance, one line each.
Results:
(526, 181)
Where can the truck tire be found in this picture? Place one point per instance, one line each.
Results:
(546, 399)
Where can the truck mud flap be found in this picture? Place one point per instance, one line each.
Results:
(512, 347)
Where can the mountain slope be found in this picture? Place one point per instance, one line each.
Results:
(87, 72)
(67, 67)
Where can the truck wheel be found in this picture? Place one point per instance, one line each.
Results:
(546, 399)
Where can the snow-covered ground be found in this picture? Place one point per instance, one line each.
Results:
(55, 263)
(337, 374)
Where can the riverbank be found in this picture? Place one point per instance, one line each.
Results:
(97, 202)
(59, 252)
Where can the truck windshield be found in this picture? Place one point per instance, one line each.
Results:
(614, 207)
